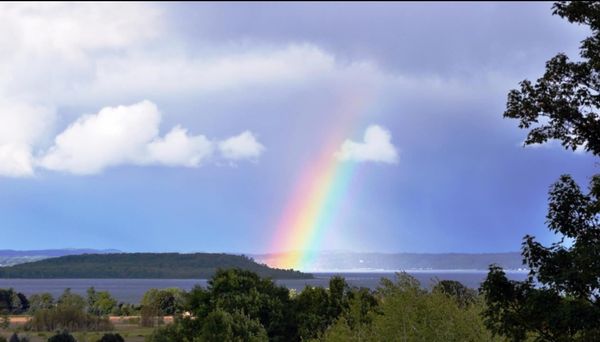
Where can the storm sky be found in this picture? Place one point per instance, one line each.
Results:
(185, 127)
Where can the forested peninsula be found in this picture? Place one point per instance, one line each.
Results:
(143, 265)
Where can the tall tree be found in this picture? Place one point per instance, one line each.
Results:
(559, 299)
(564, 103)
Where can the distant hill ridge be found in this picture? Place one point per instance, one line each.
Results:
(9, 257)
(341, 260)
(55, 252)
(142, 265)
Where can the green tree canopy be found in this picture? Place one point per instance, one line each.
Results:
(100, 302)
(12, 302)
(407, 312)
(164, 301)
(463, 295)
(40, 301)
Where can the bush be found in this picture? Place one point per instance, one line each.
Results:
(69, 313)
(222, 326)
(16, 338)
(40, 301)
(151, 316)
(100, 303)
(12, 302)
(67, 317)
(62, 337)
(165, 301)
(111, 338)
(167, 334)
(4, 321)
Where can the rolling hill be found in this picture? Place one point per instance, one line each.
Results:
(10, 257)
(142, 265)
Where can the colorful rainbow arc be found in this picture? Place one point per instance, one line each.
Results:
(320, 191)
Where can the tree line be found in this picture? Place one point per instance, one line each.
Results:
(239, 305)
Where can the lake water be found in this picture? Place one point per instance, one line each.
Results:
(132, 290)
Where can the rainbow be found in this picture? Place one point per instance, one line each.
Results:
(315, 202)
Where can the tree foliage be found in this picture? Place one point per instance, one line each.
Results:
(12, 302)
(239, 305)
(463, 295)
(244, 292)
(407, 312)
(564, 103)
(69, 313)
(220, 325)
(159, 303)
(100, 303)
(559, 300)
(40, 301)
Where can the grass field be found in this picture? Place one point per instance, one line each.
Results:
(127, 327)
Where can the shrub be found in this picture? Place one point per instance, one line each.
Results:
(111, 338)
(67, 317)
(4, 321)
(62, 337)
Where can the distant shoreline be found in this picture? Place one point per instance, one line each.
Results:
(410, 270)
(132, 290)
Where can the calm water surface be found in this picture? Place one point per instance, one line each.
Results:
(132, 290)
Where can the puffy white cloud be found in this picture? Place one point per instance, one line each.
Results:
(15, 160)
(376, 147)
(129, 135)
(115, 135)
(242, 146)
(177, 148)
(22, 127)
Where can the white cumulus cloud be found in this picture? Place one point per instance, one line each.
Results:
(178, 148)
(129, 135)
(15, 160)
(242, 146)
(376, 147)
(22, 127)
(115, 135)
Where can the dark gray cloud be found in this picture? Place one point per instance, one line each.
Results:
(449, 39)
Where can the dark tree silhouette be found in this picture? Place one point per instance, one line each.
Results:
(559, 300)
(563, 104)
